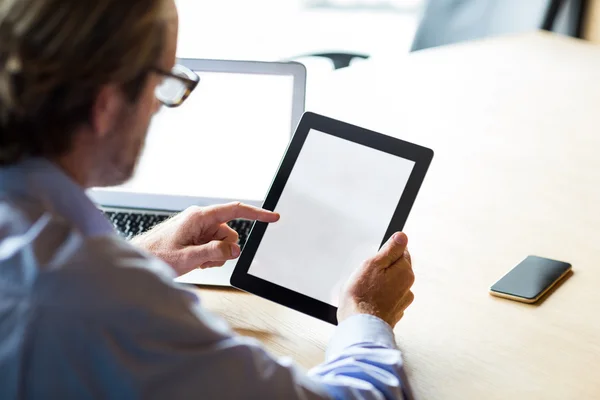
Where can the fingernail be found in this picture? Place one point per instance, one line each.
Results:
(235, 251)
(399, 238)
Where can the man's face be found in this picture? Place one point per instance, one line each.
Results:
(123, 146)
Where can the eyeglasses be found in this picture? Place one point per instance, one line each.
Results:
(176, 85)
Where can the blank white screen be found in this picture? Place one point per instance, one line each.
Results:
(335, 209)
(225, 141)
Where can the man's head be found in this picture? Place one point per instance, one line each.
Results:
(77, 81)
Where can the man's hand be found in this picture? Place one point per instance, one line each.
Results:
(200, 237)
(381, 286)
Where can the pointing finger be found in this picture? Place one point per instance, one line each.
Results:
(228, 212)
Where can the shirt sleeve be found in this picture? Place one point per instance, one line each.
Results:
(133, 334)
(363, 362)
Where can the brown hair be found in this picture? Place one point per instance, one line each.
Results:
(55, 55)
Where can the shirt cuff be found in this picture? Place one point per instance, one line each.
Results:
(360, 330)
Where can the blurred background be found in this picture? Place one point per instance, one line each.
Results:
(276, 30)
(282, 29)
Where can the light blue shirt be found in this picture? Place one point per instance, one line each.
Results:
(83, 314)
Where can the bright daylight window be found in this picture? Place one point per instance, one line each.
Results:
(282, 29)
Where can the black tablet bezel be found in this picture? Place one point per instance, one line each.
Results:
(421, 156)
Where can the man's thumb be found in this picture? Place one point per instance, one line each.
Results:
(216, 250)
(392, 250)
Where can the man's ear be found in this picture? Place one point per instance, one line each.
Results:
(105, 110)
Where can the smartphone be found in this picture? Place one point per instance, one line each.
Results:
(531, 279)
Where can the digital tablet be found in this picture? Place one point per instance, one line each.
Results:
(341, 191)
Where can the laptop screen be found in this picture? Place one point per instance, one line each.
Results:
(225, 141)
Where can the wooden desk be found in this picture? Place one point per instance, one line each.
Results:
(515, 123)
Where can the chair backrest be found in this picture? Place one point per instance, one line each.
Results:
(452, 21)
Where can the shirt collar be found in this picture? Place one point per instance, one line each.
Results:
(43, 181)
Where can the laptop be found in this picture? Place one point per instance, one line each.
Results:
(223, 144)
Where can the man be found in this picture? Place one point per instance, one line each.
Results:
(84, 314)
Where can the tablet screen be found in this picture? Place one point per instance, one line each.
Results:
(335, 210)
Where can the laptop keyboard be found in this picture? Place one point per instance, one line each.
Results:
(130, 224)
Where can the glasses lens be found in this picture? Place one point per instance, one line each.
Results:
(170, 91)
